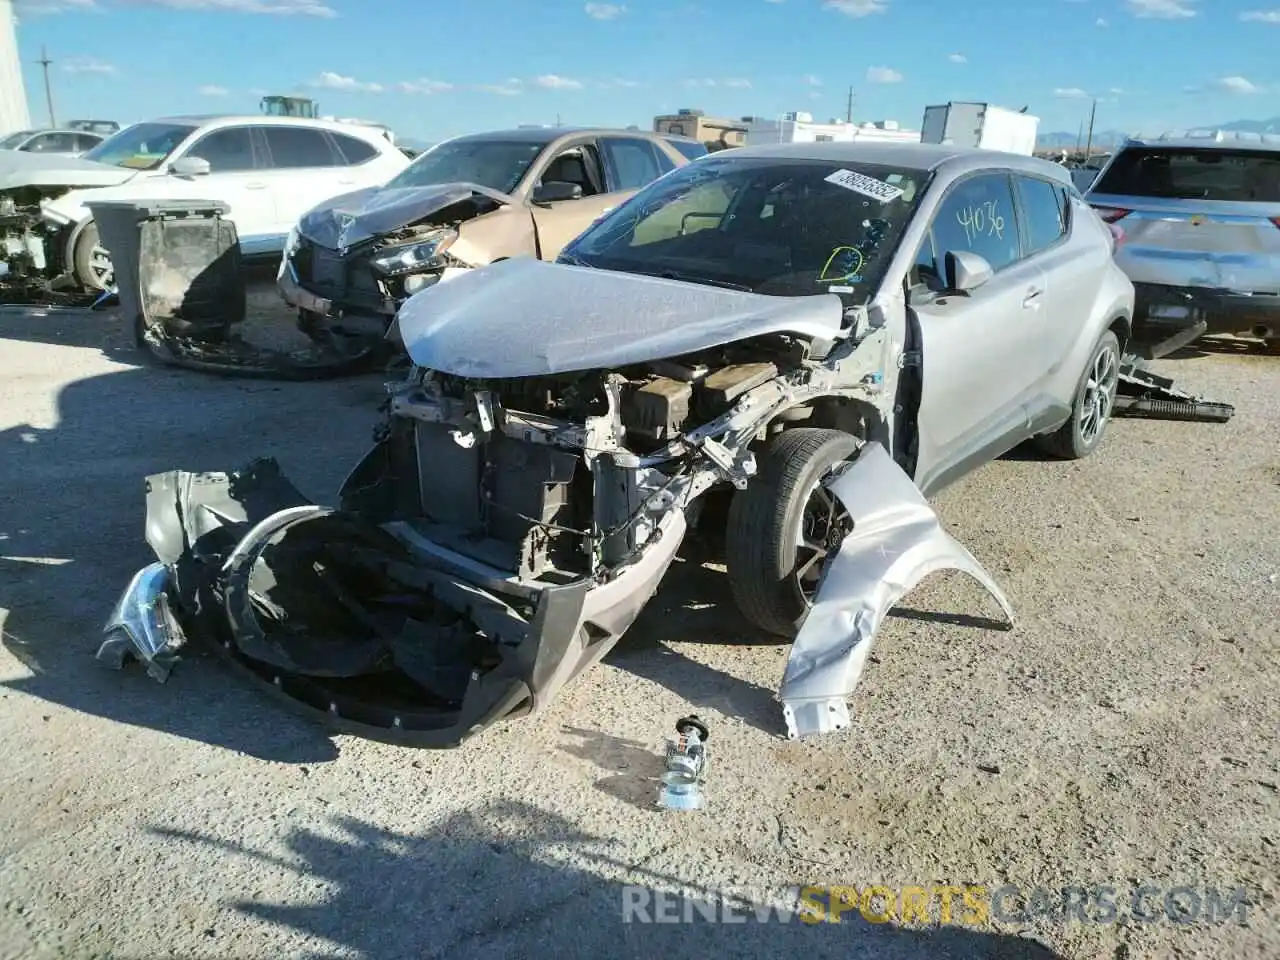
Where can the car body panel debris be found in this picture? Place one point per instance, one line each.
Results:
(534, 473)
(1147, 395)
(895, 543)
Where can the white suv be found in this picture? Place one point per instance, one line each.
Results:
(268, 170)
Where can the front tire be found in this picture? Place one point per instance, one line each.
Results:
(1094, 403)
(782, 528)
(91, 262)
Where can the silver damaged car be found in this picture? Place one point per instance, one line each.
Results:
(788, 346)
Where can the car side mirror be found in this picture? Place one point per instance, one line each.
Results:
(189, 167)
(553, 191)
(966, 271)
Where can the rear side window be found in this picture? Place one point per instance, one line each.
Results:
(226, 150)
(354, 150)
(1045, 206)
(1194, 174)
(634, 163)
(978, 216)
(690, 149)
(298, 147)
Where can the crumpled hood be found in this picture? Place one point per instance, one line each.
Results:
(358, 216)
(19, 169)
(526, 318)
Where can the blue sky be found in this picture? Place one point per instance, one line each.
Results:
(435, 68)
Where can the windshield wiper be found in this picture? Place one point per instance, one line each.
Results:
(705, 281)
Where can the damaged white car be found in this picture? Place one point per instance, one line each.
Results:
(823, 333)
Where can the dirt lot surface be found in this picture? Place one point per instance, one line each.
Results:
(1126, 733)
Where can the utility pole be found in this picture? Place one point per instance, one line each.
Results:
(1079, 138)
(44, 61)
(848, 111)
(1088, 150)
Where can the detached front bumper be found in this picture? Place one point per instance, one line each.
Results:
(296, 295)
(388, 637)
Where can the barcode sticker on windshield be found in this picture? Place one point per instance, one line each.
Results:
(867, 186)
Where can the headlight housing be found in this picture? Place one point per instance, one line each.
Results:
(425, 252)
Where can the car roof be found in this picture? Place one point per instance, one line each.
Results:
(227, 119)
(39, 130)
(549, 134)
(917, 156)
(1209, 140)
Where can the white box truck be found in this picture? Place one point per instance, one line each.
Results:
(968, 124)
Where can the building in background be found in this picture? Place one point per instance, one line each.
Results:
(716, 133)
(13, 94)
(800, 127)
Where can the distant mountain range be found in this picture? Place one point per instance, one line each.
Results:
(1110, 138)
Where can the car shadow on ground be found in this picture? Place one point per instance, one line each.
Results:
(72, 533)
(538, 885)
(71, 327)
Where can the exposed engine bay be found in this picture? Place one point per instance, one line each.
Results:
(31, 267)
(498, 538)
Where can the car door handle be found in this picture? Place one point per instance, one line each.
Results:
(1032, 298)
(255, 186)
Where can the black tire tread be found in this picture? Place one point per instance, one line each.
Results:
(1061, 444)
(759, 518)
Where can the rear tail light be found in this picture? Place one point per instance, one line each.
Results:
(1111, 214)
(1117, 236)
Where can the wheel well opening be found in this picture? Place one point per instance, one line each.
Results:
(1122, 328)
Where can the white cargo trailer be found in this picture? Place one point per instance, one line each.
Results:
(969, 124)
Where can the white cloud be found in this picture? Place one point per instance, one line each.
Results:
(704, 82)
(1116, 92)
(1101, 22)
(1236, 85)
(38, 7)
(740, 83)
(552, 81)
(281, 8)
(857, 8)
(618, 82)
(883, 75)
(604, 11)
(212, 90)
(87, 65)
(958, 58)
(1262, 16)
(328, 80)
(424, 86)
(811, 80)
(512, 88)
(1161, 9)
(1070, 93)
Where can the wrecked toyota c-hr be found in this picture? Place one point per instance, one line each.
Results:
(465, 203)
(825, 333)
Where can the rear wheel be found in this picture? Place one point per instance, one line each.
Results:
(1095, 400)
(91, 262)
(784, 526)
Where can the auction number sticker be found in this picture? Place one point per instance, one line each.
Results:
(867, 186)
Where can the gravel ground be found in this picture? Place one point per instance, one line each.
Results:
(1125, 733)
